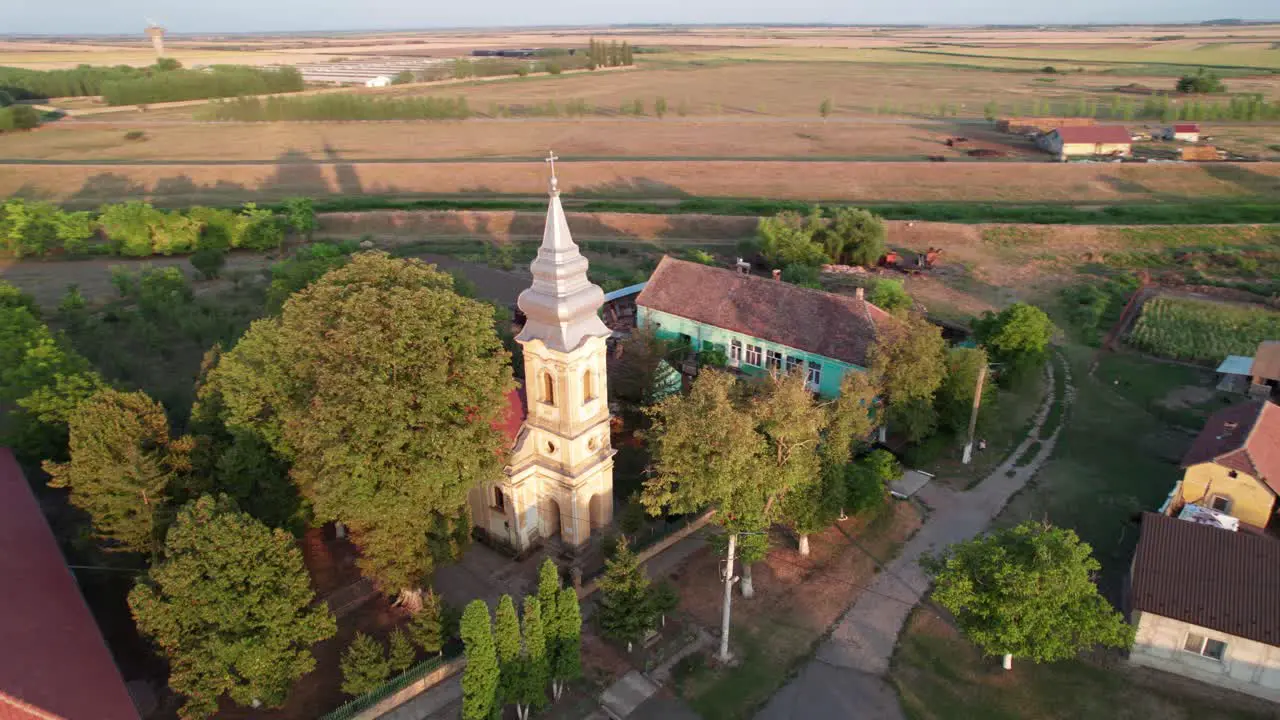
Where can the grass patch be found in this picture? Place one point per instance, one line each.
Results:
(1187, 213)
(1028, 455)
(941, 676)
(1113, 458)
(1200, 330)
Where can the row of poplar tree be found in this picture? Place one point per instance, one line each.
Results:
(610, 54)
(512, 661)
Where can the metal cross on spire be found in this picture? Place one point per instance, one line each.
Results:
(551, 160)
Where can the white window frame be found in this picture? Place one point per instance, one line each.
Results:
(735, 352)
(1202, 643)
(754, 353)
(773, 359)
(1225, 499)
(792, 362)
(813, 375)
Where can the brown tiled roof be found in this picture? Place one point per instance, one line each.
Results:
(54, 663)
(1244, 437)
(1266, 362)
(834, 326)
(1208, 576)
(1186, 128)
(1094, 134)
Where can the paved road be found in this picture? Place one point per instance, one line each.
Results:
(846, 677)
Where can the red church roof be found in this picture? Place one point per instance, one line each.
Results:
(54, 663)
(513, 420)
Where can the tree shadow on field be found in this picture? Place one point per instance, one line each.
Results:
(1242, 177)
(297, 173)
(31, 192)
(108, 187)
(1126, 186)
(348, 178)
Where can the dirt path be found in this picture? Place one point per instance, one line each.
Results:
(846, 677)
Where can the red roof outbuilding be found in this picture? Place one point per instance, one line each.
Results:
(1094, 135)
(54, 664)
(1186, 128)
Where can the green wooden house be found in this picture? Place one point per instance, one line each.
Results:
(761, 325)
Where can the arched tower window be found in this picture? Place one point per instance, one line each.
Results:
(588, 386)
(548, 389)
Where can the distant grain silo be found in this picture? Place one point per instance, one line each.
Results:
(156, 33)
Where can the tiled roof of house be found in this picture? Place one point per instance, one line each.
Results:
(1244, 437)
(1094, 134)
(1211, 577)
(1186, 128)
(54, 662)
(834, 326)
(1266, 362)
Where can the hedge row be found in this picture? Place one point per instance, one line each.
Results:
(219, 81)
(342, 106)
(136, 229)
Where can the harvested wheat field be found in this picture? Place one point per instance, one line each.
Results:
(593, 137)
(836, 181)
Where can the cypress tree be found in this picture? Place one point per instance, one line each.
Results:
(426, 628)
(625, 613)
(364, 666)
(506, 640)
(402, 654)
(480, 679)
(566, 662)
(536, 672)
(548, 589)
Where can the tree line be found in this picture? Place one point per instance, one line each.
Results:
(214, 82)
(30, 228)
(610, 54)
(24, 84)
(343, 106)
(1248, 107)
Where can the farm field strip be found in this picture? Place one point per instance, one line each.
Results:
(1201, 331)
(860, 182)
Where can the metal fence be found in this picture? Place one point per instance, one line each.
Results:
(392, 686)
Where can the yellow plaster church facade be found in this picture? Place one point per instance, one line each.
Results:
(558, 483)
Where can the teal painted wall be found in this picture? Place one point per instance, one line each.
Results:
(671, 327)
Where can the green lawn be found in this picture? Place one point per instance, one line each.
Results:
(941, 676)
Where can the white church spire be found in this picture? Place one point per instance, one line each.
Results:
(562, 304)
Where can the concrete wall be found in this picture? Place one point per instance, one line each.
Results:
(671, 327)
(1247, 666)
(1251, 501)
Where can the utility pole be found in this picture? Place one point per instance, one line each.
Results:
(973, 417)
(729, 579)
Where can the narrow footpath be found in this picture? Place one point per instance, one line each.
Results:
(847, 677)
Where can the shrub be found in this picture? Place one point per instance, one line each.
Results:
(889, 295)
(18, 117)
(364, 666)
(808, 276)
(1202, 82)
(135, 135)
(128, 227)
(209, 262)
(263, 230)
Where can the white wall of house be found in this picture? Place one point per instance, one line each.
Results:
(379, 81)
(1246, 665)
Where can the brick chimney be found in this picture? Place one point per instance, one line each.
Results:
(777, 275)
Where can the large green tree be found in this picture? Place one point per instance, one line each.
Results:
(1027, 591)
(908, 364)
(625, 611)
(122, 468)
(232, 608)
(790, 238)
(1019, 336)
(383, 387)
(955, 397)
(481, 677)
(791, 424)
(707, 452)
(854, 236)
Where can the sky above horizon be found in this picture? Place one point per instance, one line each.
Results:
(129, 16)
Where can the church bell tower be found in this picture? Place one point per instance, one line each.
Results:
(564, 458)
